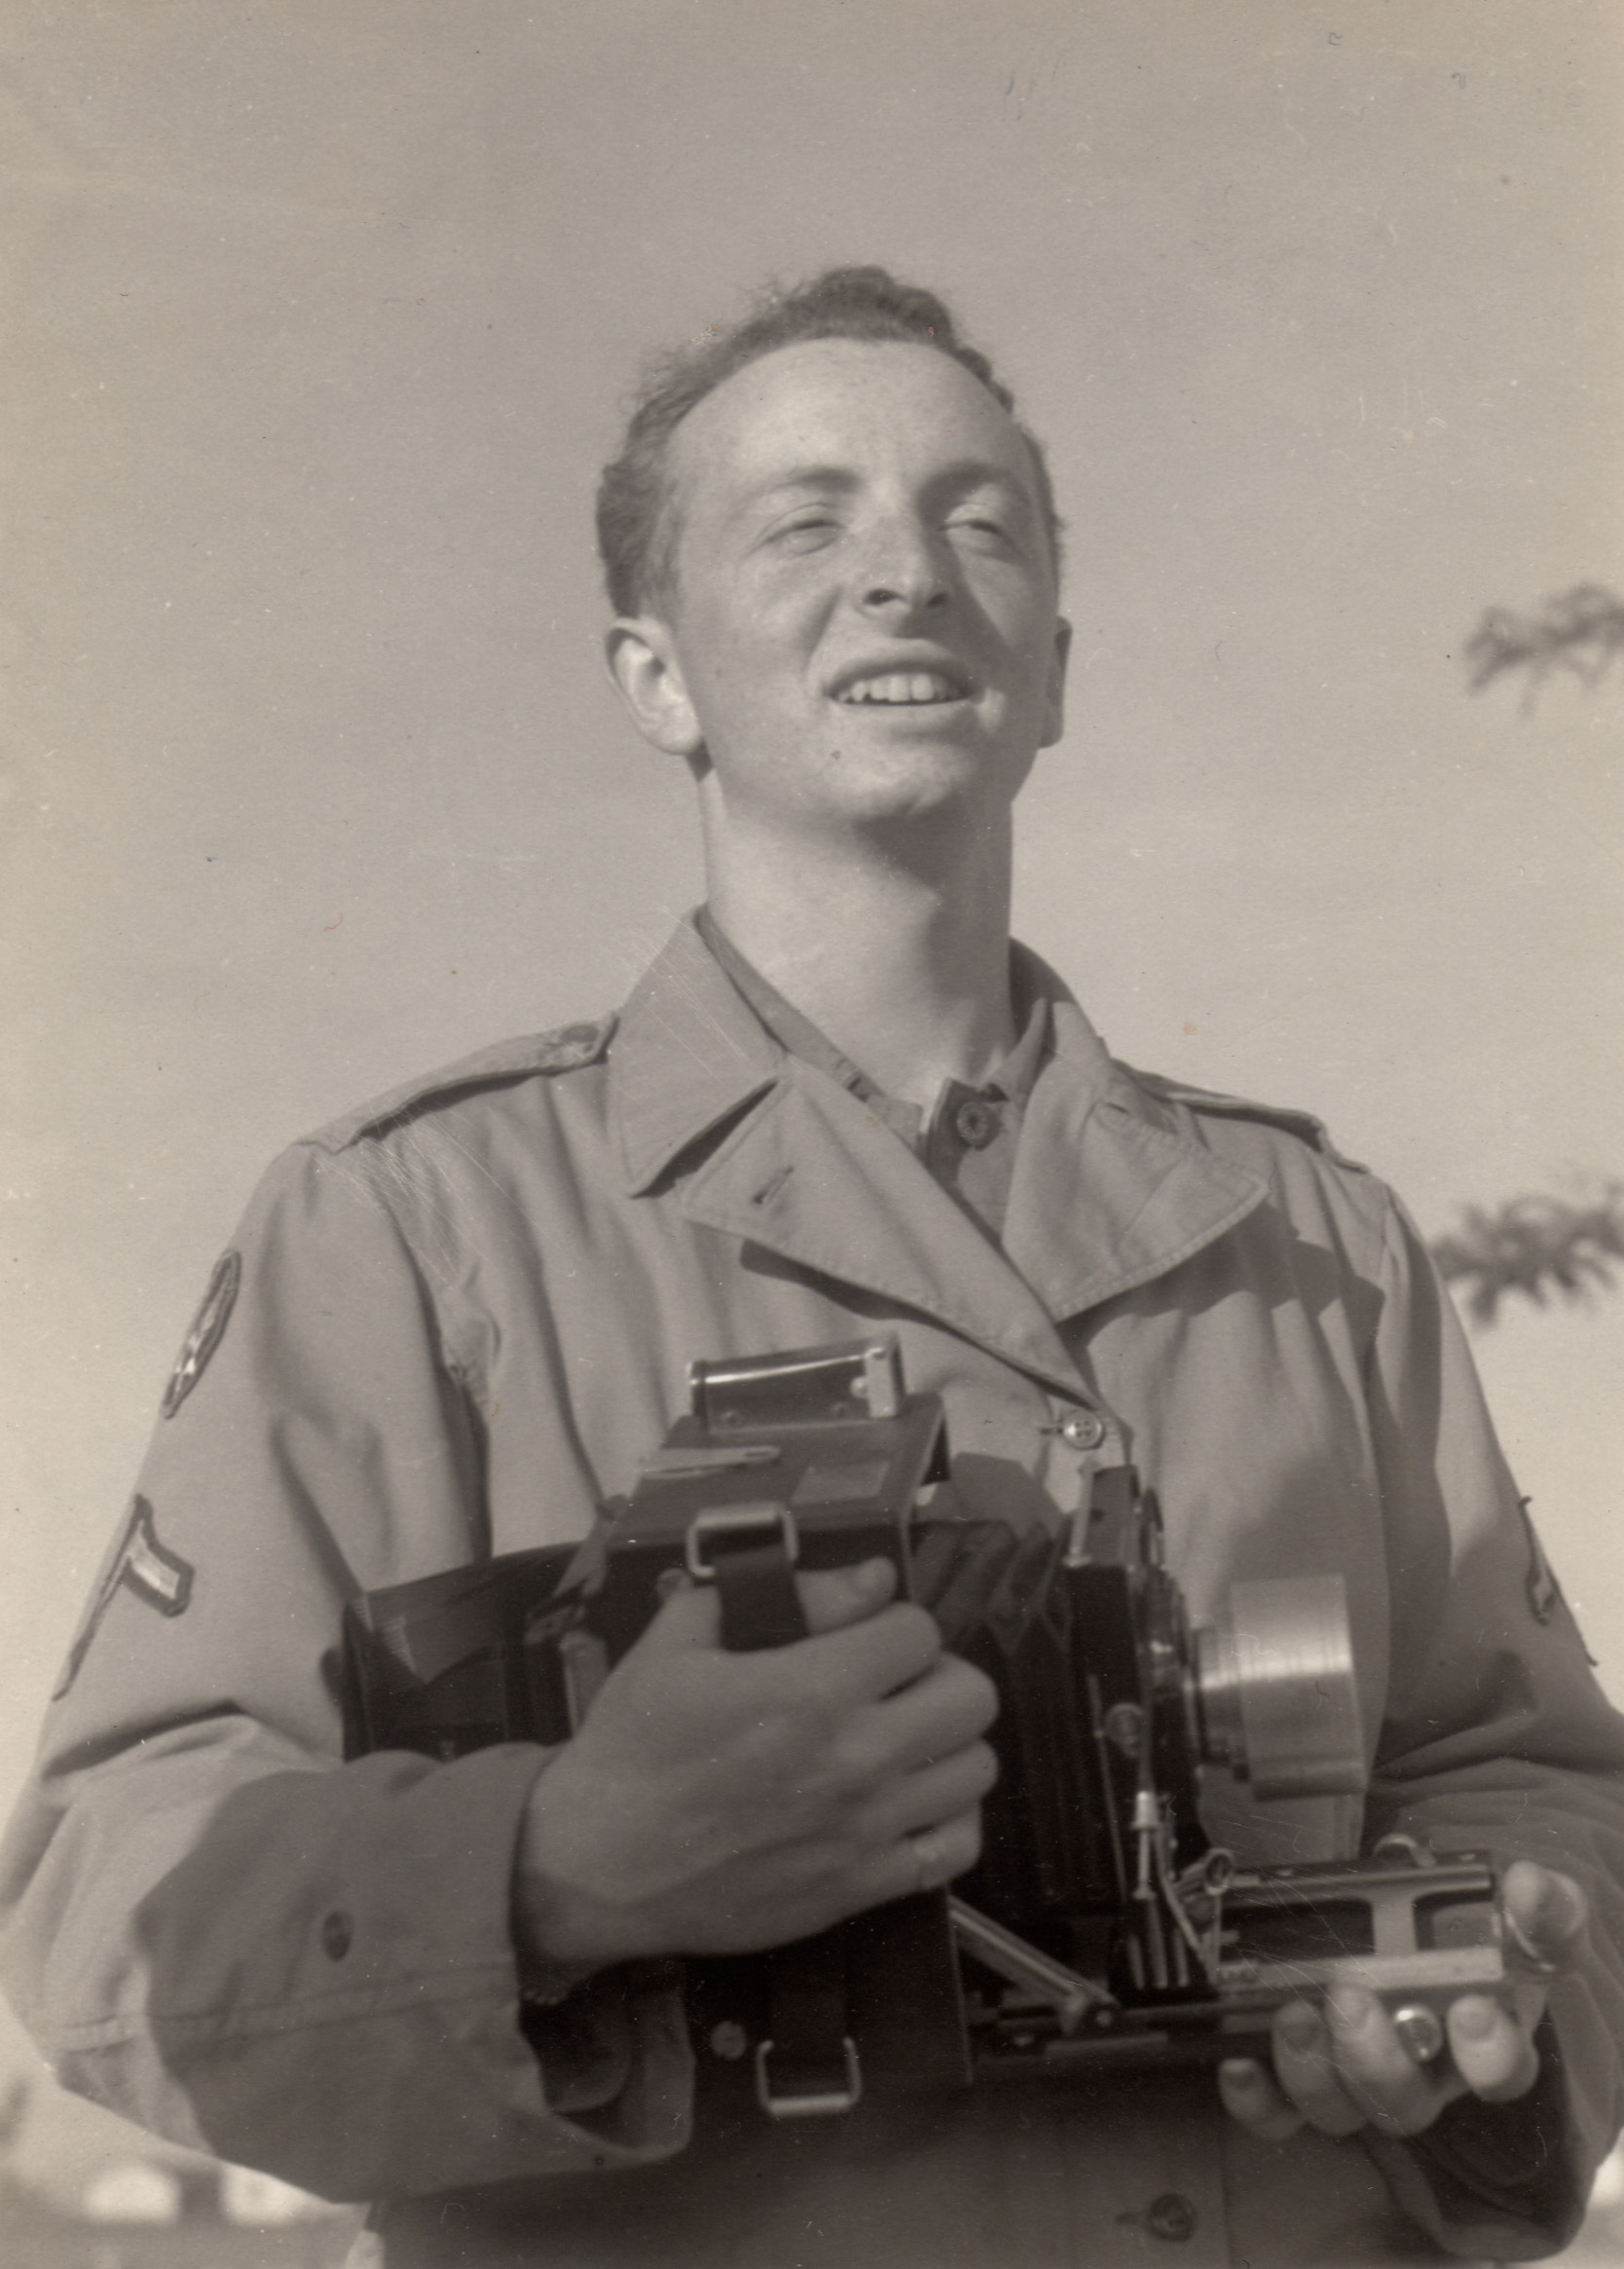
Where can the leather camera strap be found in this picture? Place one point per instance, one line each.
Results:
(761, 1605)
(810, 2067)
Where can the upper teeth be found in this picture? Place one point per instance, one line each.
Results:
(902, 685)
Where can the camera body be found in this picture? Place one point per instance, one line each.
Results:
(1099, 1920)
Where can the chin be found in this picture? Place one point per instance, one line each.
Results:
(930, 785)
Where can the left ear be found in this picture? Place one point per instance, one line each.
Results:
(643, 660)
(1054, 701)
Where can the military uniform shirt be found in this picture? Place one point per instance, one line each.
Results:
(452, 1324)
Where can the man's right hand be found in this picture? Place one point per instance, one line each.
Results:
(717, 1803)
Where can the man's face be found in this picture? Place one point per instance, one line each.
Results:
(862, 626)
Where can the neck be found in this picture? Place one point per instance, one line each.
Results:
(903, 961)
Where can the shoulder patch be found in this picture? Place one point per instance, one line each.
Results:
(567, 1049)
(209, 1327)
(1208, 1102)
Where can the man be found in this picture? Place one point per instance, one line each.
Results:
(455, 1322)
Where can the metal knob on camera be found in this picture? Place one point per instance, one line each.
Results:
(1275, 1695)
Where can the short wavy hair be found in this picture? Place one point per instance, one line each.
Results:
(636, 525)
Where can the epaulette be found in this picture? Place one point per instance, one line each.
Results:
(567, 1049)
(1208, 1101)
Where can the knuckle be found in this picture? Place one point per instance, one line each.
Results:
(1306, 2084)
(981, 1694)
(1298, 2032)
(839, 1771)
(969, 1835)
(1305, 2076)
(809, 1764)
(916, 1630)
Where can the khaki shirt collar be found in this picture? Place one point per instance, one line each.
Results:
(688, 1052)
(1107, 1193)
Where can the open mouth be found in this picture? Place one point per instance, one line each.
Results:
(903, 690)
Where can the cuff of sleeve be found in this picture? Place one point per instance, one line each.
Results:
(331, 1993)
(584, 2025)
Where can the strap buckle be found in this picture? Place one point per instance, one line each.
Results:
(759, 1526)
(814, 2102)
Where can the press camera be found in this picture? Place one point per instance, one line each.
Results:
(1100, 1922)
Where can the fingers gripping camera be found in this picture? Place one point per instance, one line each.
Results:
(1098, 1918)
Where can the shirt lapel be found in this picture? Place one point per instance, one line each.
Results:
(805, 1170)
(1106, 1194)
(810, 1174)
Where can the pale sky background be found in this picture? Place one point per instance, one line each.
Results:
(320, 319)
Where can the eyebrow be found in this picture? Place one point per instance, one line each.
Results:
(969, 473)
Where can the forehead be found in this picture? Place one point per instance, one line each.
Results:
(858, 407)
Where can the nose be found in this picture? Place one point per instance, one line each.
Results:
(913, 595)
(900, 571)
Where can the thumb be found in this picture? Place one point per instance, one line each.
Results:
(1546, 1914)
(688, 1616)
(834, 1597)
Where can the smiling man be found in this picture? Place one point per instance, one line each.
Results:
(455, 1323)
(855, 645)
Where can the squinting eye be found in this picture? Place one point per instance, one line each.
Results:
(805, 533)
(991, 531)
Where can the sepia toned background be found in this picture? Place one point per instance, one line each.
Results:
(320, 319)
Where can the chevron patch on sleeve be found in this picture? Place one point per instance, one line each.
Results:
(141, 1564)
